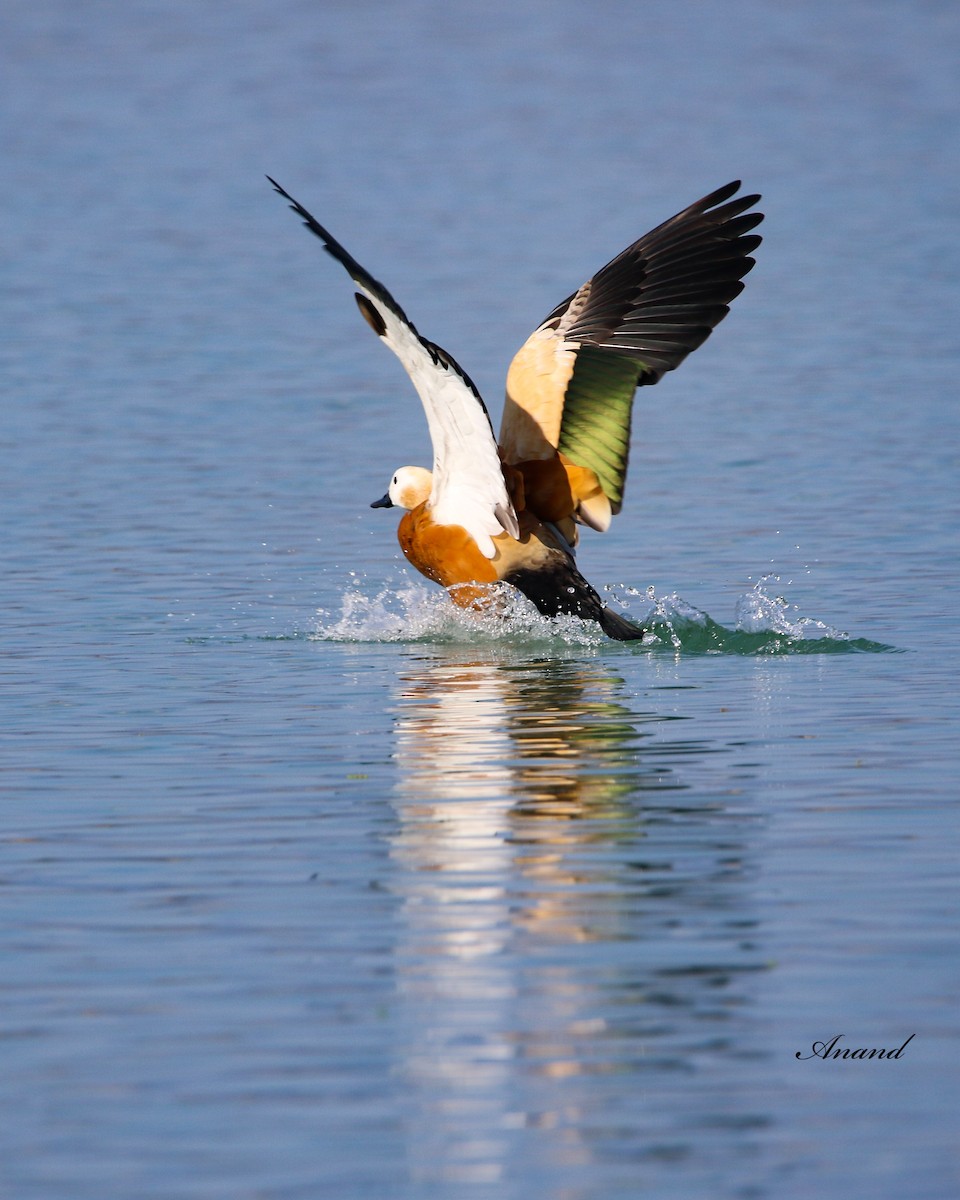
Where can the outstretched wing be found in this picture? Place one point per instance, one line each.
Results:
(468, 483)
(570, 386)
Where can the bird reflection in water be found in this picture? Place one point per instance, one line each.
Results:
(548, 732)
(535, 919)
(500, 764)
(513, 766)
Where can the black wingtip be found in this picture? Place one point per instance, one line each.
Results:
(722, 193)
(283, 192)
(330, 243)
(357, 273)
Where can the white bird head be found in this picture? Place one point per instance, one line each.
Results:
(409, 487)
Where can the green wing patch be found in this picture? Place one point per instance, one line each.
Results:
(595, 430)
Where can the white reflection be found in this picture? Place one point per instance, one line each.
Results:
(498, 764)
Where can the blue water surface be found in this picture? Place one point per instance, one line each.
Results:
(311, 887)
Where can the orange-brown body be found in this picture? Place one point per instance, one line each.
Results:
(559, 491)
(448, 555)
(537, 563)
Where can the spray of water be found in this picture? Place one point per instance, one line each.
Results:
(765, 623)
(414, 613)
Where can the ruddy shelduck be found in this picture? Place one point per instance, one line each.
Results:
(510, 512)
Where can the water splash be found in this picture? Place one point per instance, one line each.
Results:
(412, 613)
(758, 612)
(764, 625)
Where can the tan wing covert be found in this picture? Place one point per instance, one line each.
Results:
(570, 387)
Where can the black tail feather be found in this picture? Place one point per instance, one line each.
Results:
(562, 589)
(618, 627)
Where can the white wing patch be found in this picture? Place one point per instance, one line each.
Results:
(468, 484)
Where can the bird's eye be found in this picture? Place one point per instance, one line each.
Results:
(394, 479)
